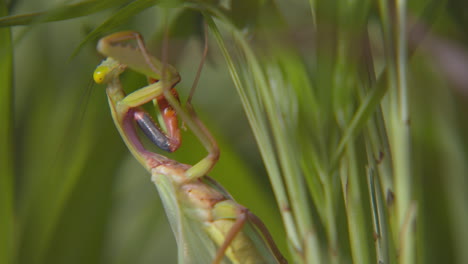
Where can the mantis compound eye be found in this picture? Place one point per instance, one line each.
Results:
(108, 69)
(100, 74)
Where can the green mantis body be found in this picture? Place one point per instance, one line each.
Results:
(210, 227)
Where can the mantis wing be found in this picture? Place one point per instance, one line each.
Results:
(194, 245)
(259, 242)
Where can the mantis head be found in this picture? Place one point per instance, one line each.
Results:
(108, 70)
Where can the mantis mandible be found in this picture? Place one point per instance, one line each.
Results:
(210, 227)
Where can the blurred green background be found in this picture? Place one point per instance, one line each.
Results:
(70, 192)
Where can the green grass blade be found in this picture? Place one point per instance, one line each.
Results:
(61, 13)
(364, 111)
(6, 144)
(455, 181)
(262, 139)
(119, 18)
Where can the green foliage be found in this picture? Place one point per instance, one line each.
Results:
(357, 109)
(6, 143)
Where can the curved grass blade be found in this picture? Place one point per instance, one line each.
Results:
(61, 13)
(259, 127)
(120, 17)
(362, 114)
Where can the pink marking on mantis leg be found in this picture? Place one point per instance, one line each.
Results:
(129, 130)
(153, 160)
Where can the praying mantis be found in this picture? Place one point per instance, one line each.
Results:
(209, 226)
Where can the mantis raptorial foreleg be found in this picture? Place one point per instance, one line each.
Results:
(165, 77)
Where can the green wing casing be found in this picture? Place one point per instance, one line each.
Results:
(194, 245)
(194, 224)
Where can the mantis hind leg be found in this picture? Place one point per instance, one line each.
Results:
(231, 235)
(267, 236)
(243, 216)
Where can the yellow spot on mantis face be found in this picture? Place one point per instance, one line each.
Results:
(100, 73)
(108, 70)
